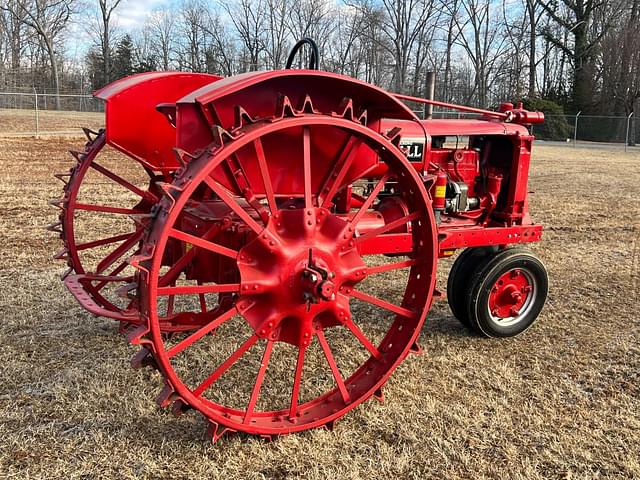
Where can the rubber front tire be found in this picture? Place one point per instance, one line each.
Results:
(516, 269)
(459, 280)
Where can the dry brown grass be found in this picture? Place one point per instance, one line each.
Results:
(562, 401)
(21, 123)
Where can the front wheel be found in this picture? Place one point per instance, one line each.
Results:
(506, 293)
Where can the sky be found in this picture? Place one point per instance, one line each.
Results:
(129, 15)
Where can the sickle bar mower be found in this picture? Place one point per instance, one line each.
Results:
(270, 209)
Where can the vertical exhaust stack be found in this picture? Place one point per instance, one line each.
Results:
(430, 90)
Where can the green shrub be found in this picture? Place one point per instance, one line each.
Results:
(555, 126)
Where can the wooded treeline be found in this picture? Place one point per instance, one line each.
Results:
(581, 54)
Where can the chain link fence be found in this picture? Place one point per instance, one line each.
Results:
(574, 130)
(26, 114)
(36, 114)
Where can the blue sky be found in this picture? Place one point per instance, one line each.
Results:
(129, 16)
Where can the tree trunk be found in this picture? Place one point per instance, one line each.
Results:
(54, 70)
(531, 9)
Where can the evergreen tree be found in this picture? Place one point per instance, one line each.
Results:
(123, 60)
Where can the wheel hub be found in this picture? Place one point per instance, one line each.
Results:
(509, 294)
(296, 276)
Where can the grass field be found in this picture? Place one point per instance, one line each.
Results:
(22, 123)
(561, 401)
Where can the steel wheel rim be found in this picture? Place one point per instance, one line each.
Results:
(264, 420)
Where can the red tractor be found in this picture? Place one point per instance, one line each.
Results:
(273, 201)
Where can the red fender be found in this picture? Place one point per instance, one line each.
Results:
(134, 126)
(260, 94)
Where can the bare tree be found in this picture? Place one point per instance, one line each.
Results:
(576, 18)
(249, 19)
(195, 38)
(276, 37)
(162, 29)
(106, 11)
(13, 28)
(48, 19)
(480, 39)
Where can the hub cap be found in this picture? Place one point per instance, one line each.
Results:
(511, 297)
(296, 276)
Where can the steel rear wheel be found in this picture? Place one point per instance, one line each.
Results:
(297, 302)
(105, 194)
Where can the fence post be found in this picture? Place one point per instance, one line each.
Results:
(626, 138)
(575, 130)
(35, 92)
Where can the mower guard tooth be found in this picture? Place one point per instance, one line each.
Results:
(242, 118)
(137, 336)
(79, 156)
(307, 106)
(179, 407)
(284, 108)
(144, 358)
(90, 134)
(62, 254)
(55, 227)
(330, 425)
(345, 109)
(362, 118)
(416, 349)
(57, 202)
(379, 395)
(62, 177)
(221, 136)
(166, 396)
(215, 431)
(183, 156)
(66, 273)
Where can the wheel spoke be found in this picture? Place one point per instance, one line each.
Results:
(389, 226)
(121, 181)
(391, 266)
(197, 335)
(104, 241)
(372, 197)
(233, 358)
(258, 384)
(202, 300)
(405, 312)
(266, 178)
(363, 339)
(171, 302)
(184, 260)
(105, 209)
(295, 393)
(120, 251)
(199, 289)
(340, 170)
(306, 163)
(334, 367)
(233, 204)
(200, 242)
(113, 273)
